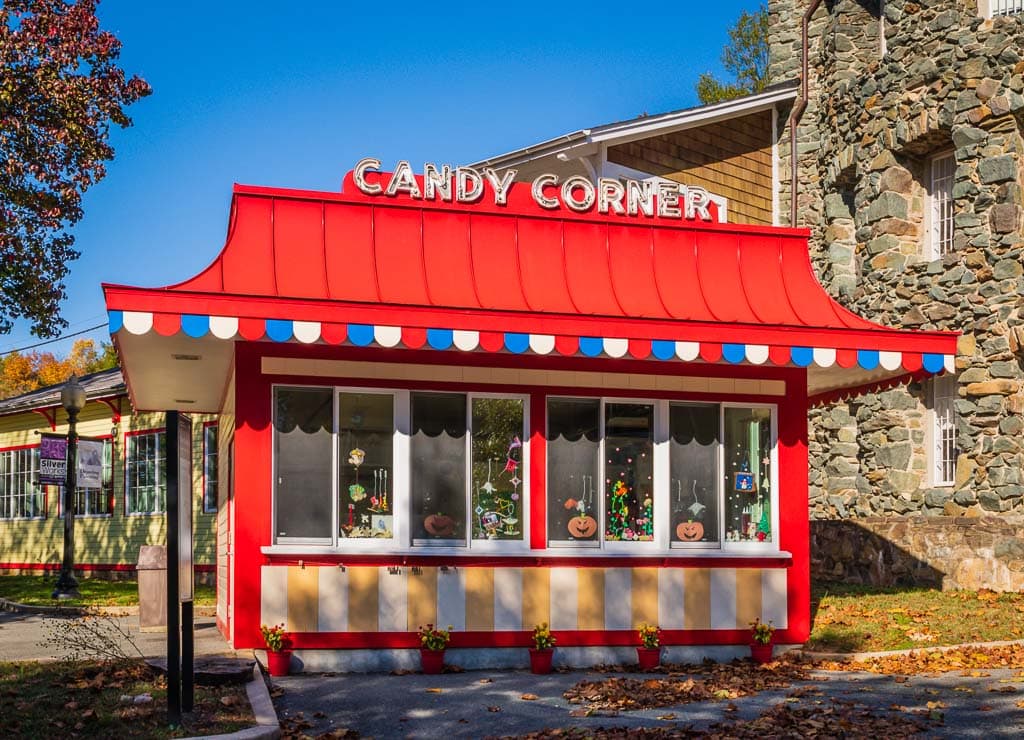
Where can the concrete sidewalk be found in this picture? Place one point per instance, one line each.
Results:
(490, 703)
(23, 637)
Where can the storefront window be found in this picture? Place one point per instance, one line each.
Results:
(573, 446)
(145, 485)
(303, 452)
(366, 424)
(748, 475)
(438, 471)
(693, 482)
(497, 483)
(629, 472)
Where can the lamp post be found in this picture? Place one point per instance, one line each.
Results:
(72, 398)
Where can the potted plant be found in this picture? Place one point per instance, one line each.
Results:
(761, 636)
(279, 654)
(433, 642)
(543, 649)
(649, 652)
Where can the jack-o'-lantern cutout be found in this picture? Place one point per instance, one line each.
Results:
(689, 531)
(439, 525)
(582, 526)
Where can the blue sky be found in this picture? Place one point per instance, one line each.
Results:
(254, 93)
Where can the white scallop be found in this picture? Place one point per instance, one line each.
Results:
(687, 351)
(223, 327)
(387, 336)
(616, 347)
(757, 353)
(542, 344)
(890, 360)
(824, 356)
(137, 322)
(949, 362)
(467, 341)
(306, 332)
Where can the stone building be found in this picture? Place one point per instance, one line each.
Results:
(909, 173)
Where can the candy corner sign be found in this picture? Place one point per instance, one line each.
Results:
(623, 197)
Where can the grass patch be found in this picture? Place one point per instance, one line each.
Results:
(37, 590)
(84, 700)
(849, 618)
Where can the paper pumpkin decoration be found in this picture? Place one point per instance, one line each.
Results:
(582, 526)
(439, 525)
(689, 531)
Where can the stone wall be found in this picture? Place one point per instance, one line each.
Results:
(943, 552)
(949, 81)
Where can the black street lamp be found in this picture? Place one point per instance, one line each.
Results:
(72, 398)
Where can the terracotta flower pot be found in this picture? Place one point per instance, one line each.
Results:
(432, 661)
(540, 660)
(278, 663)
(648, 658)
(761, 653)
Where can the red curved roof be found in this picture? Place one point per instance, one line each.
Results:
(356, 249)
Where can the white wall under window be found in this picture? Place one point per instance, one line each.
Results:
(940, 175)
(943, 430)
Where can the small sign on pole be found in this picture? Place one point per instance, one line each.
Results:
(53, 459)
(90, 463)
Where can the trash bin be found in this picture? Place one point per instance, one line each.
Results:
(152, 572)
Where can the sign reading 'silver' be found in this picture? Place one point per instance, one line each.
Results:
(663, 198)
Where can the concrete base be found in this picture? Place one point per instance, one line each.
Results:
(385, 660)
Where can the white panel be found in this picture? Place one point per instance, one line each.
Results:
(563, 599)
(890, 360)
(542, 344)
(949, 362)
(508, 598)
(451, 598)
(824, 356)
(774, 605)
(618, 608)
(137, 322)
(467, 341)
(616, 347)
(723, 598)
(273, 594)
(223, 327)
(757, 353)
(392, 600)
(670, 598)
(387, 336)
(306, 332)
(333, 594)
(687, 351)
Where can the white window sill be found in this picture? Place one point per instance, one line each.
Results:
(549, 554)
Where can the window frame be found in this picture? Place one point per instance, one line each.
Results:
(937, 462)
(110, 488)
(987, 11)
(937, 248)
(207, 427)
(161, 470)
(34, 471)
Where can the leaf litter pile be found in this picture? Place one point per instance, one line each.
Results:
(936, 661)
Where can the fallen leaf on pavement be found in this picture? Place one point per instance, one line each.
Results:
(529, 697)
(434, 691)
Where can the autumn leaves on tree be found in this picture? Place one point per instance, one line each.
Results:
(23, 373)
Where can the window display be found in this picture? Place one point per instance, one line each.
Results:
(497, 469)
(303, 442)
(366, 424)
(438, 470)
(748, 450)
(629, 472)
(693, 482)
(573, 446)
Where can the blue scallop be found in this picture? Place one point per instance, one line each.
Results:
(933, 363)
(280, 330)
(663, 349)
(516, 342)
(801, 356)
(439, 338)
(195, 326)
(361, 335)
(867, 358)
(734, 353)
(115, 321)
(591, 346)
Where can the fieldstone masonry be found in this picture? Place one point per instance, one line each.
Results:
(891, 89)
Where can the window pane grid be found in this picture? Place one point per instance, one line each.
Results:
(210, 468)
(145, 487)
(943, 169)
(21, 496)
(945, 395)
(97, 501)
(1006, 7)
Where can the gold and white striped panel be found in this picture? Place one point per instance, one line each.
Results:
(392, 600)
(563, 599)
(774, 597)
(508, 599)
(303, 599)
(480, 599)
(618, 610)
(451, 598)
(723, 599)
(273, 594)
(333, 614)
(422, 598)
(671, 599)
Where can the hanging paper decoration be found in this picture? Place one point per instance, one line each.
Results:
(618, 512)
(356, 457)
(356, 492)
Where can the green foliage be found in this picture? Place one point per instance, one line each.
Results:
(22, 373)
(745, 57)
(38, 590)
(60, 90)
(542, 637)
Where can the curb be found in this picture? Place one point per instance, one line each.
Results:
(267, 727)
(861, 657)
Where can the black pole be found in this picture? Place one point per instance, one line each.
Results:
(67, 586)
(173, 605)
(187, 650)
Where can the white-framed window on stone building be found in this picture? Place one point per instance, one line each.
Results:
(993, 8)
(943, 430)
(941, 171)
